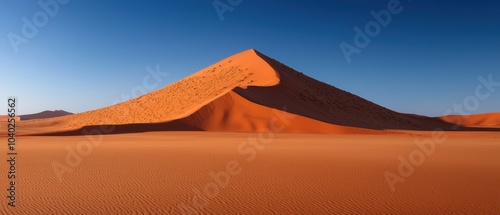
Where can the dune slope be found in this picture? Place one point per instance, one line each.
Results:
(175, 101)
(491, 120)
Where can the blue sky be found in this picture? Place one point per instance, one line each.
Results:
(90, 52)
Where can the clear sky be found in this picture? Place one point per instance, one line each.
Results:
(88, 53)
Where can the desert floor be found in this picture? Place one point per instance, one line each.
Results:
(166, 172)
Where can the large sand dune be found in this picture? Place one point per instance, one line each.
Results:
(244, 93)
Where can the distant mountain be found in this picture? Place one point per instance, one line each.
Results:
(45, 114)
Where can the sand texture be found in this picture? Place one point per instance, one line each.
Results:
(155, 173)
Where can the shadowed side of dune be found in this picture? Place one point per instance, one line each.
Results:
(314, 99)
(234, 113)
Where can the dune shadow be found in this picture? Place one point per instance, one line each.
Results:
(308, 97)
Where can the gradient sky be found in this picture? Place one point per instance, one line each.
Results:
(92, 52)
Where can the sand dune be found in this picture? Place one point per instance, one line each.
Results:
(177, 100)
(234, 113)
(491, 120)
(243, 93)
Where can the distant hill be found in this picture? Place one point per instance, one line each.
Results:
(45, 114)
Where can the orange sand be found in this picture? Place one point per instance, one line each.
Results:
(152, 173)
